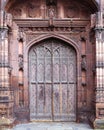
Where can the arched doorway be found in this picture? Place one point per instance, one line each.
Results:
(52, 81)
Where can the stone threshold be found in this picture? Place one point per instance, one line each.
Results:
(52, 126)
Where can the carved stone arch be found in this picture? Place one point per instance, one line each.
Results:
(54, 74)
(57, 36)
(42, 38)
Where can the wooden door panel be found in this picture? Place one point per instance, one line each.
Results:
(72, 101)
(56, 99)
(48, 99)
(56, 66)
(64, 72)
(40, 99)
(64, 107)
(64, 94)
(48, 66)
(40, 102)
(33, 98)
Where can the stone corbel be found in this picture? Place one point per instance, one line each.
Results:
(51, 25)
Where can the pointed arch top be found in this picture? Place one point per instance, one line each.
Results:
(52, 35)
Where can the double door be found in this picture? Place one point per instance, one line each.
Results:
(52, 81)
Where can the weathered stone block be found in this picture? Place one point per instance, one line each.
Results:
(99, 124)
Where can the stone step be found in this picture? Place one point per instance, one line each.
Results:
(53, 126)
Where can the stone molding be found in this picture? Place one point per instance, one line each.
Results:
(67, 22)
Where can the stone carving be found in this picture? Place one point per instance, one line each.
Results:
(83, 13)
(30, 37)
(51, 12)
(93, 20)
(39, 31)
(20, 62)
(51, 9)
(16, 12)
(71, 11)
(21, 34)
(56, 29)
(51, 2)
(33, 10)
(83, 64)
(9, 19)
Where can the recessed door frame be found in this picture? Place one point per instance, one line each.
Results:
(52, 105)
(40, 38)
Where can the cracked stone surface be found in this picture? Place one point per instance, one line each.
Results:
(53, 126)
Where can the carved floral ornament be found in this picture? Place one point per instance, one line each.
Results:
(92, 4)
(17, 12)
(27, 33)
(48, 29)
(71, 11)
(33, 10)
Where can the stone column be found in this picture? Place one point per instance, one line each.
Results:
(6, 95)
(99, 122)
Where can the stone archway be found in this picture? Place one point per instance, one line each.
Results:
(52, 81)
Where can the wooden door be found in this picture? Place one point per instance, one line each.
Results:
(52, 81)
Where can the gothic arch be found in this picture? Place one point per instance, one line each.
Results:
(52, 35)
(52, 65)
(45, 37)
